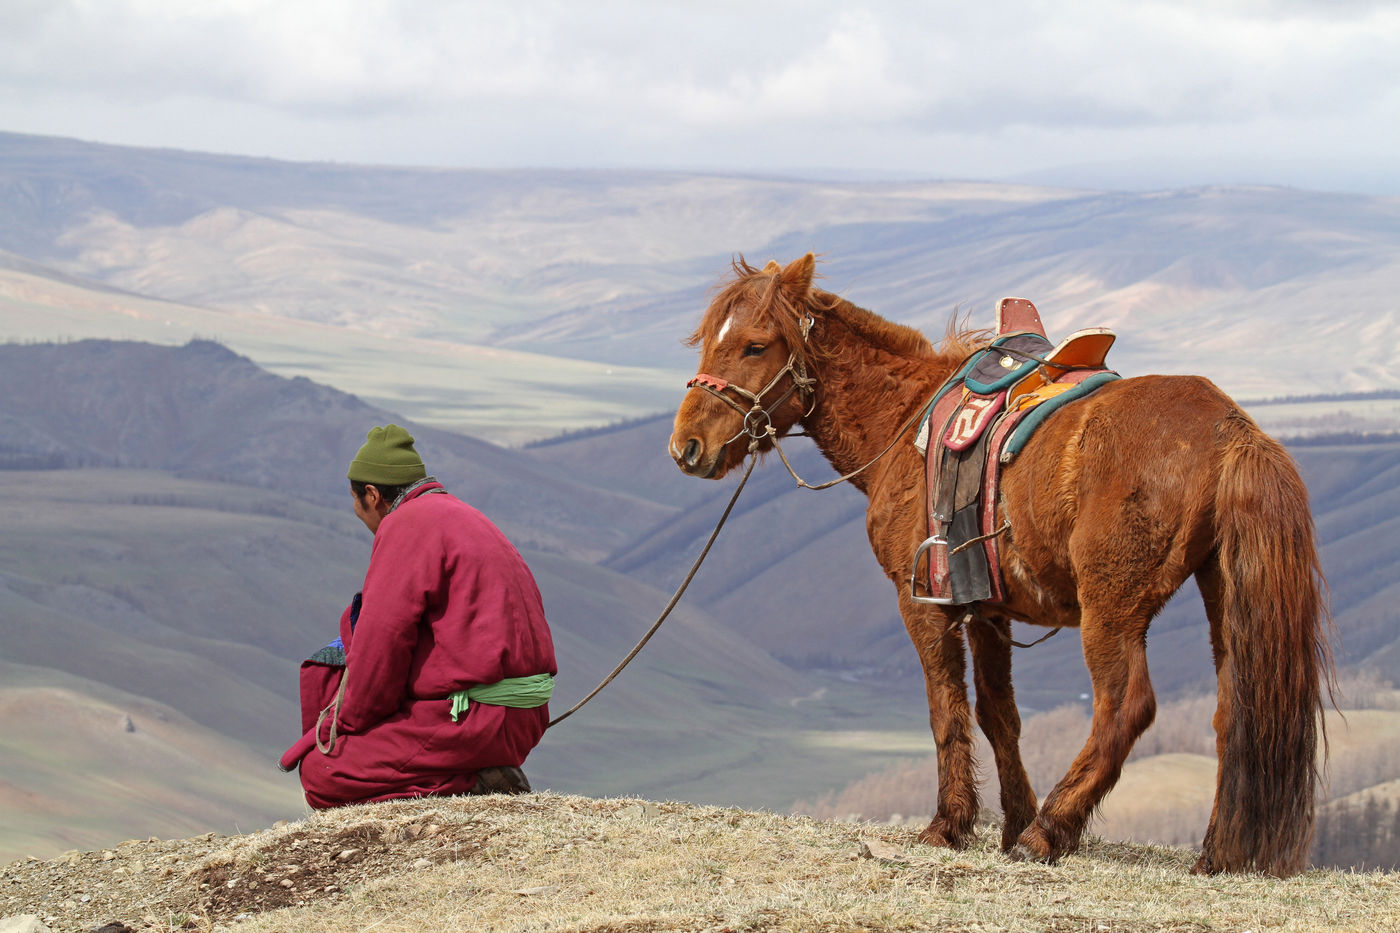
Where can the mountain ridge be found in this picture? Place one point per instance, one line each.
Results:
(614, 267)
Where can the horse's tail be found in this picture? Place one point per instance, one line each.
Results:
(1271, 627)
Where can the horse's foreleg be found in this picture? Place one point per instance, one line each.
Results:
(1116, 652)
(1001, 722)
(940, 647)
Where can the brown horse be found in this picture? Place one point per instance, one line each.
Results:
(1114, 502)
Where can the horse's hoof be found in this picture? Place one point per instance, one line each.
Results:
(1034, 847)
(1021, 852)
(934, 836)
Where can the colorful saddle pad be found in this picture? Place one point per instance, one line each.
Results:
(979, 420)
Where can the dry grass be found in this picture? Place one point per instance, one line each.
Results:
(557, 863)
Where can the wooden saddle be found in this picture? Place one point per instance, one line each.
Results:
(977, 422)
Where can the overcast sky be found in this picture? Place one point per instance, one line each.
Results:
(1136, 93)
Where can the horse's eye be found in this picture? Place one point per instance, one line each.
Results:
(754, 349)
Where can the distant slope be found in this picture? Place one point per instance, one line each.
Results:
(1239, 283)
(508, 396)
(86, 766)
(203, 411)
(200, 596)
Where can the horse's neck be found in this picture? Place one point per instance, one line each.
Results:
(865, 396)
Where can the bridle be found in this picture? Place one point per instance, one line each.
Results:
(758, 418)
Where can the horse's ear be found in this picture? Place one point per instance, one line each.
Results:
(797, 277)
(772, 267)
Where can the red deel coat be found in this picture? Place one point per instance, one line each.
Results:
(447, 603)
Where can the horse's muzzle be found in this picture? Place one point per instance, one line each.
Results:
(690, 458)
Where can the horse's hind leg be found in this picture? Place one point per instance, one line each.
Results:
(940, 647)
(1115, 650)
(990, 641)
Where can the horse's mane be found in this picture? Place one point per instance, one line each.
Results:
(961, 340)
(763, 287)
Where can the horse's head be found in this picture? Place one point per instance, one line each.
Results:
(753, 368)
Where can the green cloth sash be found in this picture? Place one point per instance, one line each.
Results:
(519, 692)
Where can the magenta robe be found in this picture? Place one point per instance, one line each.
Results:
(448, 603)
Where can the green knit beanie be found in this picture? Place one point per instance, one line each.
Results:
(387, 459)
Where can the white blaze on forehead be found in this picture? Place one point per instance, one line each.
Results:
(724, 330)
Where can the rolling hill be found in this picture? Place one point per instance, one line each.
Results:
(186, 540)
(201, 410)
(127, 767)
(176, 526)
(514, 305)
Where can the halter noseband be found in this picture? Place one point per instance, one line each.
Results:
(758, 420)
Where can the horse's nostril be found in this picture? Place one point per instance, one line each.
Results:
(692, 452)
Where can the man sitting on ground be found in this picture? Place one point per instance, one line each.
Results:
(439, 681)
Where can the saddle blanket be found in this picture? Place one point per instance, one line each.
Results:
(979, 421)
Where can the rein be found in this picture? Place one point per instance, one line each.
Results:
(802, 483)
(675, 598)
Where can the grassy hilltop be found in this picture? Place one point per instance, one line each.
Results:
(563, 863)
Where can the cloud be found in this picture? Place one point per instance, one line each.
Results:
(846, 76)
(777, 83)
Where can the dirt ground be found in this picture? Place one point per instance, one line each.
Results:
(193, 883)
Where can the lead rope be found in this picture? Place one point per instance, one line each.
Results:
(694, 568)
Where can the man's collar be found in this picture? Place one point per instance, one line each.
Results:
(425, 485)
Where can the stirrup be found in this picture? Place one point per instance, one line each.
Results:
(914, 574)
